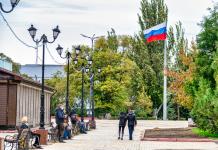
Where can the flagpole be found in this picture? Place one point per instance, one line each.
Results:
(165, 82)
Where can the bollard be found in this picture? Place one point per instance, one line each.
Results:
(1, 143)
(43, 136)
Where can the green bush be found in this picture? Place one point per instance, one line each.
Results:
(142, 114)
(204, 133)
(205, 110)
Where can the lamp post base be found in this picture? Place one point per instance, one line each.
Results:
(92, 124)
(43, 136)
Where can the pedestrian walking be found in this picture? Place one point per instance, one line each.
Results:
(131, 123)
(59, 116)
(122, 124)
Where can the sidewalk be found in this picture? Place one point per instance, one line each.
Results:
(105, 138)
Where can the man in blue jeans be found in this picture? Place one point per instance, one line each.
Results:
(131, 123)
(59, 116)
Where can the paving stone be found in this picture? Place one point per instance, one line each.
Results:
(105, 138)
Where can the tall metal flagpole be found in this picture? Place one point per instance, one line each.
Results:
(165, 81)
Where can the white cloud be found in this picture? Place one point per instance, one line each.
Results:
(88, 17)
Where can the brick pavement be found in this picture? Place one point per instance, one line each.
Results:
(105, 138)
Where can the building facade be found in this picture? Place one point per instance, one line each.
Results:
(35, 71)
(21, 97)
(5, 64)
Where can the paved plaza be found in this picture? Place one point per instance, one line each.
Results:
(105, 138)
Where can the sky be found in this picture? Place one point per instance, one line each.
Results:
(87, 17)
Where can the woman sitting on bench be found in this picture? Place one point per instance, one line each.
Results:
(25, 125)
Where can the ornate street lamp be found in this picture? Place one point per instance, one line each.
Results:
(92, 75)
(13, 5)
(67, 56)
(32, 30)
(92, 38)
(83, 69)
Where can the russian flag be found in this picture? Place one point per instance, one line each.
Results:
(158, 32)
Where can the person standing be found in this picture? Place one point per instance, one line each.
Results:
(59, 116)
(131, 123)
(74, 121)
(122, 124)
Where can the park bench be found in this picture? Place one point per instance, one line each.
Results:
(53, 133)
(20, 141)
(17, 141)
(76, 129)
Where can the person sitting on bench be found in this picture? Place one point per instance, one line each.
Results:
(25, 125)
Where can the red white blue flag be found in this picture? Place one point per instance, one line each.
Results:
(158, 32)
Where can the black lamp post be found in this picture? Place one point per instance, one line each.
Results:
(83, 69)
(44, 41)
(13, 5)
(92, 74)
(92, 38)
(67, 56)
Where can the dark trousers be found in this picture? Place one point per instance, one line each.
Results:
(131, 129)
(37, 138)
(60, 131)
(121, 128)
(82, 127)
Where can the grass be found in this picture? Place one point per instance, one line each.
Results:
(203, 133)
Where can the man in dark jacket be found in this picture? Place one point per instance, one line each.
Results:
(59, 116)
(131, 123)
(122, 124)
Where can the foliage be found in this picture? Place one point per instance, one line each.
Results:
(15, 66)
(149, 56)
(181, 77)
(203, 133)
(143, 104)
(205, 108)
(117, 87)
(204, 85)
(120, 78)
(58, 83)
(181, 70)
(208, 37)
(171, 110)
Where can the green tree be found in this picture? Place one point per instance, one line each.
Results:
(209, 36)
(204, 86)
(58, 83)
(149, 56)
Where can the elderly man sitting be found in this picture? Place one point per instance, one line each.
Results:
(25, 125)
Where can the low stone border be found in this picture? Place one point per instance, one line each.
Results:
(1, 143)
(173, 135)
(8, 131)
(179, 139)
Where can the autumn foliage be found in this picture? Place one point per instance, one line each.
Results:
(181, 76)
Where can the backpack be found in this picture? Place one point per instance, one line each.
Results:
(122, 120)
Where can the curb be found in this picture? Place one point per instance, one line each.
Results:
(7, 131)
(178, 140)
